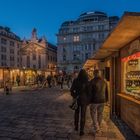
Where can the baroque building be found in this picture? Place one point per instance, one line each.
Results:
(38, 57)
(78, 40)
(10, 60)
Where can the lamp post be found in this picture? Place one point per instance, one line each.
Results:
(24, 78)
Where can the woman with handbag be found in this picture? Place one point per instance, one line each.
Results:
(79, 93)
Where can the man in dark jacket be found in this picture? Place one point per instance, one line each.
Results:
(99, 92)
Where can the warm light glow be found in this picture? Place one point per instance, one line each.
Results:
(131, 57)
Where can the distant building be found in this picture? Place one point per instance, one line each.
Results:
(78, 40)
(10, 61)
(38, 56)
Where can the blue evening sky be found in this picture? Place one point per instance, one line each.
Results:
(47, 15)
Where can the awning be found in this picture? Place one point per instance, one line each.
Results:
(126, 30)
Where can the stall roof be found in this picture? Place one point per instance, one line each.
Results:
(127, 29)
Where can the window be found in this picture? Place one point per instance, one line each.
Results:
(18, 45)
(86, 56)
(12, 43)
(89, 46)
(39, 61)
(12, 51)
(12, 58)
(64, 58)
(76, 48)
(34, 56)
(101, 36)
(84, 28)
(34, 66)
(3, 41)
(131, 75)
(3, 49)
(100, 27)
(64, 50)
(86, 47)
(28, 61)
(76, 38)
(76, 57)
(54, 59)
(76, 67)
(51, 58)
(75, 30)
(89, 28)
(18, 52)
(95, 19)
(3, 64)
(3, 57)
(18, 59)
(93, 47)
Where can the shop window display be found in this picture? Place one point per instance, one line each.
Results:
(131, 75)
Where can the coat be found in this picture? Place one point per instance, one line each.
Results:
(80, 90)
(98, 90)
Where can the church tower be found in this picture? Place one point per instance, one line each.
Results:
(34, 35)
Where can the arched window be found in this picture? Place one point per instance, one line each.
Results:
(28, 61)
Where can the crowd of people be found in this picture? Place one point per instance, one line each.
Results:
(55, 80)
(87, 92)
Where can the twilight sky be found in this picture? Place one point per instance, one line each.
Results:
(47, 15)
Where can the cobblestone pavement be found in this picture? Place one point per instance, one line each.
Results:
(44, 115)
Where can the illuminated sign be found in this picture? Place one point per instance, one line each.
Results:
(131, 57)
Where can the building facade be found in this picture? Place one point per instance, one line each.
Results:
(78, 40)
(38, 57)
(10, 60)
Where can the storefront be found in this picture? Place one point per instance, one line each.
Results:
(14, 73)
(131, 75)
(25, 76)
(130, 85)
(120, 56)
(29, 76)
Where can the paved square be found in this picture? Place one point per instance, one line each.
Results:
(44, 115)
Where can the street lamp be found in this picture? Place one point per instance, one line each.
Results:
(24, 75)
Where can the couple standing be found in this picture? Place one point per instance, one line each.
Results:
(93, 93)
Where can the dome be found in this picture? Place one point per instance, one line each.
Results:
(90, 16)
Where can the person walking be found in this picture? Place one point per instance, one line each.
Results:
(61, 81)
(79, 91)
(68, 79)
(49, 80)
(18, 80)
(99, 92)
